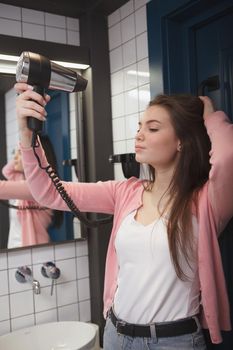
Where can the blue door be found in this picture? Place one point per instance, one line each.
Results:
(57, 128)
(214, 57)
(189, 42)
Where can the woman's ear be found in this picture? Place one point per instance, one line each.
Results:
(179, 147)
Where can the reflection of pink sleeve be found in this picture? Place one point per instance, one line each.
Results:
(15, 190)
(34, 225)
(9, 172)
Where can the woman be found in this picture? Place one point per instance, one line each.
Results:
(163, 270)
(30, 222)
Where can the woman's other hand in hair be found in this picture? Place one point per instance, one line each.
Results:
(208, 106)
(28, 104)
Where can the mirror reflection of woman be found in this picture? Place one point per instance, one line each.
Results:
(164, 278)
(30, 222)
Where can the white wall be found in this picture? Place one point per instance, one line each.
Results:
(71, 299)
(130, 81)
(40, 25)
(130, 94)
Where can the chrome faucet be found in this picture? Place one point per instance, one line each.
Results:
(50, 270)
(24, 274)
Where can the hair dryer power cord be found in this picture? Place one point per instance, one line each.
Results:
(58, 185)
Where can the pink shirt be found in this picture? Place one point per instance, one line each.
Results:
(34, 223)
(215, 208)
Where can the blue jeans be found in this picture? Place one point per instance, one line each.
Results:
(115, 341)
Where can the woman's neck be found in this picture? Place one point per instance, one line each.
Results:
(163, 178)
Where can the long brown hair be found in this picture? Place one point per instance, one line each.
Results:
(192, 170)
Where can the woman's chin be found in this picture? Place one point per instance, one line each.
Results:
(139, 158)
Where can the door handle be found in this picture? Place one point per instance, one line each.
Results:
(228, 97)
(211, 84)
(71, 162)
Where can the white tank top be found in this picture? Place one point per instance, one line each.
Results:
(148, 287)
(15, 231)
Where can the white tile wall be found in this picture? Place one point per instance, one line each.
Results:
(128, 28)
(140, 3)
(115, 36)
(47, 316)
(130, 79)
(55, 34)
(140, 20)
(73, 38)
(72, 23)
(142, 46)
(130, 92)
(33, 31)
(55, 20)
(71, 311)
(118, 106)
(11, 12)
(20, 307)
(39, 25)
(129, 52)
(116, 59)
(117, 82)
(114, 18)
(21, 322)
(127, 9)
(4, 306)
(10, 27)
(32, 16)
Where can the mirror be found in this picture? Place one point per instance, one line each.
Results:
(64, 116)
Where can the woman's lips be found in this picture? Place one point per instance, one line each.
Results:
(139, 148)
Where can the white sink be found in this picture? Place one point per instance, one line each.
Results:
(70, 335)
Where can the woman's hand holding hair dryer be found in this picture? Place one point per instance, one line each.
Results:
(29, 104)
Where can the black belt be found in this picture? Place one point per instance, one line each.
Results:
(162, 330)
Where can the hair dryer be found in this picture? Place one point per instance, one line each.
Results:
(39, 71)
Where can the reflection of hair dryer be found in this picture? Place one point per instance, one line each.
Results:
(39, 71)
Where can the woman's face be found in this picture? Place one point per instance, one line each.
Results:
(156, 142)
(18, 165)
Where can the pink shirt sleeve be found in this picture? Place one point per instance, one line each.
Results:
(9, 172)
(88, 197)
(15, 190)
(220, 186)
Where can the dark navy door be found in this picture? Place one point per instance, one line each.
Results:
(214, 57)
(57, 128)
(190, 42)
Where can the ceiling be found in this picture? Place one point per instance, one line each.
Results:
(70, 8)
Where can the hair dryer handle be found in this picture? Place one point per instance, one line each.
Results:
(33, 123)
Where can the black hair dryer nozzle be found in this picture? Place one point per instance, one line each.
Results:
(130, 166)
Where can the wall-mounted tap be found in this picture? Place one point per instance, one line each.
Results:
(50, 270)
(24, 274)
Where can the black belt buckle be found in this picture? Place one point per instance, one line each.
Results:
(120, 325)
